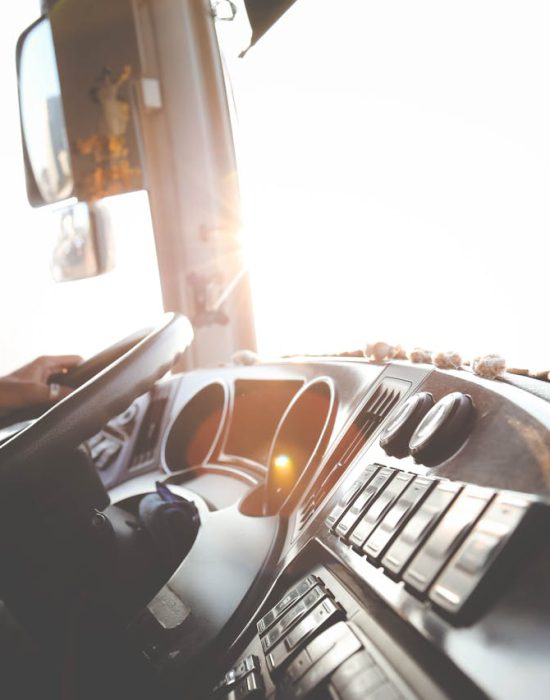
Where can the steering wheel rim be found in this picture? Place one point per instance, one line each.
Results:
(87, 369)
(87, 409)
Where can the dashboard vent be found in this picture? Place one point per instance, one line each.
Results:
(364, 425)
(149, 431)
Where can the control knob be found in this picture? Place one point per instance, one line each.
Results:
(397, 433)
(443, 429)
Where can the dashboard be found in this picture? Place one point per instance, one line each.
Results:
(366, 530)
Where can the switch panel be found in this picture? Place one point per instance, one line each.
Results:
(297, 611)
(249, 688)
(378, 509)
(363, 500)
(315, 650)
(294, 594)
(350, 494)
(446, 537)
(459, 579)
(324, 655)
(396, 516)
(325, 613)
(319, 655)
(247, 665)
(326, 665)
(419, 525)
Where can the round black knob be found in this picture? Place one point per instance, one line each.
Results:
(443, 429)
(397, 433)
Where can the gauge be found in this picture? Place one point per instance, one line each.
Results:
(395, 438)
(443, 429)
(195, 432)
(300, 439)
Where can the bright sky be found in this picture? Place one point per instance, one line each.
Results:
(395, 166)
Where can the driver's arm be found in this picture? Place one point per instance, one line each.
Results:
(28, 386)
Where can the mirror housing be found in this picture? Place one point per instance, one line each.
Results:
(76, 68)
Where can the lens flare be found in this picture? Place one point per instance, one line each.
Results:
(282, 462)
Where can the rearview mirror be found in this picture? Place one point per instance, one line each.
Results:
(76, 70)
(85, 245)
(49, 172)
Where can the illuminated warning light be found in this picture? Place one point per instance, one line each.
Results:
(282, 462)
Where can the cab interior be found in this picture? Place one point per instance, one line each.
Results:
(201, 520)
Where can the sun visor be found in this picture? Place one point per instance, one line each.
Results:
(262, 15)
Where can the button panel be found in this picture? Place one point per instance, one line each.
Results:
(412, 526)
(350, 494)
(396, 516)
(378, 509)
(315, 650)
(248, 665)
(474, 558)
(249, 688)
(289, 599)
(363, 500)
(446, 537)
(297, 611)
(322, 655)
(346, 646)
(327, 665)
(326, 612)
(419, 525)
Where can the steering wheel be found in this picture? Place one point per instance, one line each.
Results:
(112, 380)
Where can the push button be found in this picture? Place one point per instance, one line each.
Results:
(361, 686)
(351, 668)
(302, 663)
(250, 688)
(328, 663)
(363, 500)
(419, 525)
(378, 509)
(297, 611)
(477, 551)
(247, 665)
(349, 494)
(326, 612)
(471, 562)
(446, 537)
(315, 650)
(396, 516)
(291, 597)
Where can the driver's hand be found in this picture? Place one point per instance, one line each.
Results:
(28, 386)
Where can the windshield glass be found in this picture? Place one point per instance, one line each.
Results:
(394, 160)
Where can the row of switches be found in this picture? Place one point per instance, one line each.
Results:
(440, 537)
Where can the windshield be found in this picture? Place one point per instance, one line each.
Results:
(394, 160)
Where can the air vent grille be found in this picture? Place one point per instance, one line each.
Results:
(364, 425)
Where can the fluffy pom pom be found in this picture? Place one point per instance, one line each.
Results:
(380, 351)
(489, 366)
(448, 360)
(419, 355)
(245, 357)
